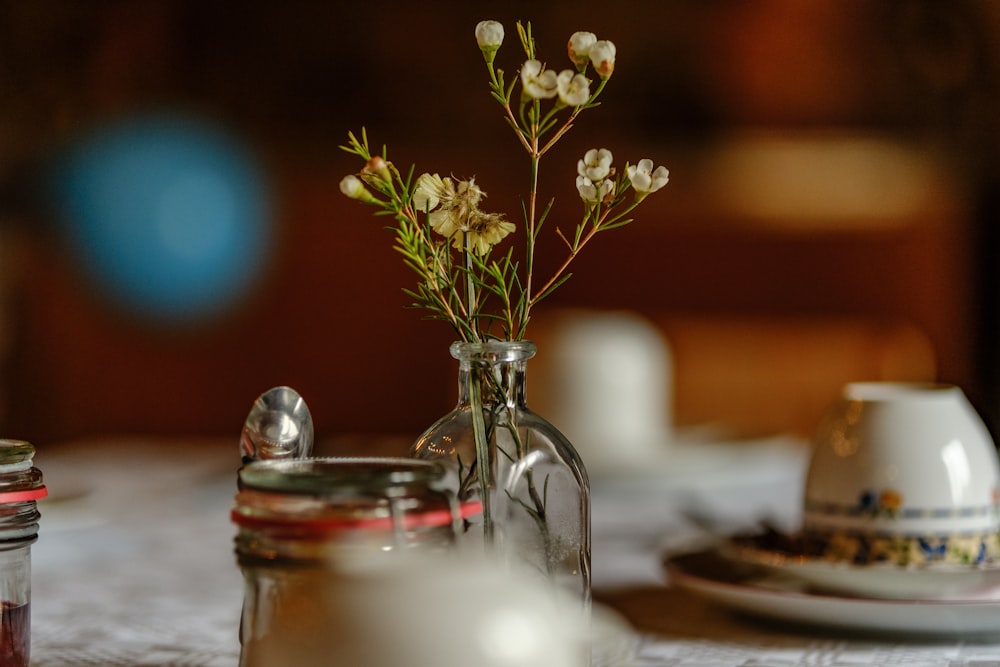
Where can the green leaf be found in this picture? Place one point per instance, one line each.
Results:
(552, 288)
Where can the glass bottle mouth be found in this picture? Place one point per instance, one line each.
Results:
(494, 350)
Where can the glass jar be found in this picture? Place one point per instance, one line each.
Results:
(528, 478)
(20, 488)
(303, 524)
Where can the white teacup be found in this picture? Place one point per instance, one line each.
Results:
(604, 378)
(904, 474)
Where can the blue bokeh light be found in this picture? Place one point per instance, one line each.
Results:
(168, 216)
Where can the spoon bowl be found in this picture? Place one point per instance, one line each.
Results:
(279, 426)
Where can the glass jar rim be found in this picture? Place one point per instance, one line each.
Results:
(15, 451)
(336, 475)
(331, 494)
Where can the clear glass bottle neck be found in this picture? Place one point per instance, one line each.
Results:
(497, 367)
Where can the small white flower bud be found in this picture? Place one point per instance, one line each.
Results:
(579, 47)
(602, 56)
(352, 186)
(489, 34)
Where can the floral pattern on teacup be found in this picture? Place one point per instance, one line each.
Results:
(917, 550)
(880, 504)
(898, 546)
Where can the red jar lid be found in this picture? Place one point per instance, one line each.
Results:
(335, 522)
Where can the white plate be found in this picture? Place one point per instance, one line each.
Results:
(876, 580)
(759, 592)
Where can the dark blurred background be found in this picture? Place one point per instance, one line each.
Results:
(834, 187)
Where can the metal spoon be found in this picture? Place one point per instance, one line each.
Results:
(279, 426)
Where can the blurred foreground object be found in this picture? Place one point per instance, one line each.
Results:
(167, 215)
(446, 612)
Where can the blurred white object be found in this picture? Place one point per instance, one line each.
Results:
(443, 611)
(605, 378)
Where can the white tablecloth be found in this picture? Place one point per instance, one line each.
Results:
(134, 565)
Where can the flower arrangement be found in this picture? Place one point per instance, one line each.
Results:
(451, 243)
(525, 475)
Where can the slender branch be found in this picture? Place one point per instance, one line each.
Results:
(599, 225)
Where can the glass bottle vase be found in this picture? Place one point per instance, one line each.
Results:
(529, 479)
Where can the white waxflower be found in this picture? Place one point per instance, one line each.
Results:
(579, 47)
(485, 230)
(489, 34)
(537, 83)
(645, 180)
(595, 165)
(377, 169)
(592, 193)
(602, 55)
(431, 190)
(353, 187)
(454, 212)
(573, 88)
(467, 197)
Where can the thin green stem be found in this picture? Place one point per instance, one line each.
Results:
(530, 236)
(483, 464)
(470, 289)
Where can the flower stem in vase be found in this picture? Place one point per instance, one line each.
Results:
(482, 463)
